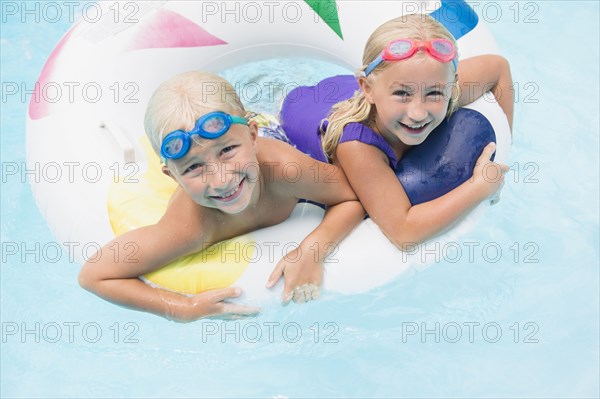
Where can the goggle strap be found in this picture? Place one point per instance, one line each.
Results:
(379, 60)
(239, 120)
(374, 64)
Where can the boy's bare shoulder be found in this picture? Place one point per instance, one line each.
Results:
(276, 157)
(187, 219)
(272, 150)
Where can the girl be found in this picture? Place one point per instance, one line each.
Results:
(408, 86)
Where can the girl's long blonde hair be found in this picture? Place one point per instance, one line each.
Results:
(418, 27)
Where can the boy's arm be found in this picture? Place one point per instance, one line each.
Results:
(326, 184)
(323, 183)
(344, 211)
(478, 75)
(113, 274)
(302, 267)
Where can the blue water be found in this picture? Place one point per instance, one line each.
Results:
(527, 318)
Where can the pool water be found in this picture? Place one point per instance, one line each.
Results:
(515, 315)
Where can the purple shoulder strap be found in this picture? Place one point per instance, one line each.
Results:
(305, 107)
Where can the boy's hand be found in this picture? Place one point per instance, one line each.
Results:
(489, 175)
(302, 276)
(212, 304)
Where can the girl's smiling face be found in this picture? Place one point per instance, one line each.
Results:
(222, 173)
(411, 99)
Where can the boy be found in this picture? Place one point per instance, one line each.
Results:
(231, 182)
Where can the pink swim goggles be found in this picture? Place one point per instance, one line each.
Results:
(439, 49)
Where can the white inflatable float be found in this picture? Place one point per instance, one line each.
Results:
(98, 177)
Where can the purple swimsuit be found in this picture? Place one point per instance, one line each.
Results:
(441, 163)
(306, 106)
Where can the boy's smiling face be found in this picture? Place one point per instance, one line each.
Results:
(222, 173)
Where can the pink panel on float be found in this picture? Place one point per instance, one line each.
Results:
(167, 29)
(164, 29)
(38, 106)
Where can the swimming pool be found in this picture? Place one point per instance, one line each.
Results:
(515, 315)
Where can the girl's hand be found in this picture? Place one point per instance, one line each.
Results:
(213, 304)
(489, 175)
(302, 274)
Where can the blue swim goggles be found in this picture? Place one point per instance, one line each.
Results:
(210, 126)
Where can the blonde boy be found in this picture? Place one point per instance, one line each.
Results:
(230, 182)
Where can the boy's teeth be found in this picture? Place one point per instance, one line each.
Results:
(230, 193)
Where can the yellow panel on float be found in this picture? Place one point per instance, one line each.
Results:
(135, 201)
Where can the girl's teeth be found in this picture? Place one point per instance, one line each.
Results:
(416, 127)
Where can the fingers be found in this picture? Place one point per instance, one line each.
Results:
(489, 171)
(487, 152)
(300, 296)
(306, 293)
(228, 310)
(223, 294)
(303, 293)
(213, 304)
(494, 172)
(235, 311)
(287, 297)
(275, 275)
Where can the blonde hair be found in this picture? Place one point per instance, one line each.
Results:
(178, 102)
(357, 109)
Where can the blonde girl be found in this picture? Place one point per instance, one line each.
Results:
(408, 85)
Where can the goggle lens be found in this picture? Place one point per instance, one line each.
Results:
(173, 146)
(400, 47)
(442, 47)
(215, 124)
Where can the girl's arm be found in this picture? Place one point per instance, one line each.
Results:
(386, 202)
(478, 75)
(113, 274)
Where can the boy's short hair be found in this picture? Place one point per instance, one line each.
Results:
(179, 101)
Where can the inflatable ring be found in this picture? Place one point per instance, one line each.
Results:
(99, 179)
